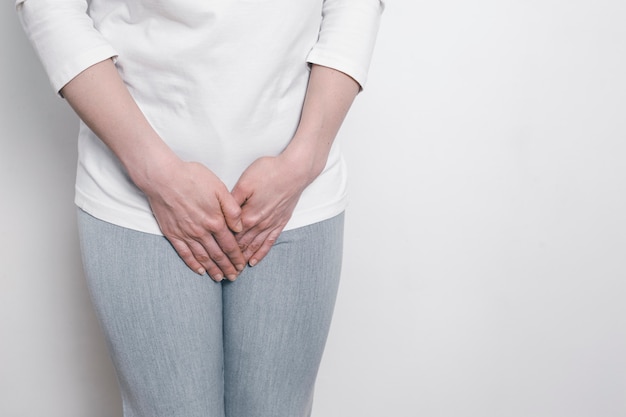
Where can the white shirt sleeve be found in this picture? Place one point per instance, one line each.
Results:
(347, 35)
(63, 36)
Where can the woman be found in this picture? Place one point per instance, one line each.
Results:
(207, 146)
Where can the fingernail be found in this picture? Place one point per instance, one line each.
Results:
(232, 277)
(253, 262)
(201, 271)
(238, 227)
(218, 277)
(240, 267)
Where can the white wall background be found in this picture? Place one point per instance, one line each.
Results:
(485, 267)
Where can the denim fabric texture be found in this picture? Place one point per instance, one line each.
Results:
(185, 346)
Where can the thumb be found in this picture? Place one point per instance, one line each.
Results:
(232, 212)
(240, 194)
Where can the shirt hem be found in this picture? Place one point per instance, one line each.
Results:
(146, 223)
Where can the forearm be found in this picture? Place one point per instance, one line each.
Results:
(329, 95)
(102, 101)
(193, 208)
(269, 190)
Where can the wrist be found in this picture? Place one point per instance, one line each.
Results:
(151, 167)
(307, 156)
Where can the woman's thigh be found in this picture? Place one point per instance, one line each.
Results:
(276, 320)
(163, 323)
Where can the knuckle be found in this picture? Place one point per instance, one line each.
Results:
(233, 252)
(212, 224)
(234, 211)
(255, 246)
(219, 258)
(243, 186)
(181, 248)
(247, 221)
(179, 245)
(243, 243)
(202, 258)
(251, 220)
(195, 231)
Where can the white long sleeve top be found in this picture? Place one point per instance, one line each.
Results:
(221, 81)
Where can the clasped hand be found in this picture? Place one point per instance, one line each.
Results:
(219, 232)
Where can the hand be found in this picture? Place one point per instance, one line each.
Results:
(197, 214)
(195, 211)
(267, 192)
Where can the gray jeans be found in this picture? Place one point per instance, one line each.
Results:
(185, 346)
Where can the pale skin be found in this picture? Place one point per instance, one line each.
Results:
(213, 230)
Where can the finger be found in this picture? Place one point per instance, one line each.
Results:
(219, 243)
(267, 244)
(229, 246)
(225, 267)
(187, 256)
(261, 245)
(244, 239)
(255, 221)
(240, 195)
(251, 240)
(202, 255)
(231, 210)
